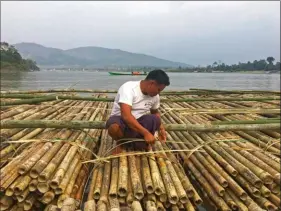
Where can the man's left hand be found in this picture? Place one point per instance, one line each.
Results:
(162, 134)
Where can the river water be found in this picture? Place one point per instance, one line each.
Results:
(102, 80)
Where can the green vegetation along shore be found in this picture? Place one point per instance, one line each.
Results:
(257, 66)
(11, 60)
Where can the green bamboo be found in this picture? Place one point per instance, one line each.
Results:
(258, 121)
(62, 97)
(237, 91)
(76, 124)
(227, 111)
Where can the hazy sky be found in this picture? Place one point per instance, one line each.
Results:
(192, 32)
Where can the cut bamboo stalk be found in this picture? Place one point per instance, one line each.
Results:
(150, 206)
(28, 203)
(11, 189)
(67, 176)
(90, 205)
(264, 157)
(265, 192)
(231, 182)
(43, 162)
(61, 170)
(263, 175)
(6, 202)
(136, 206)
(275, 200)
(79, 195)
(114, 176)
(15, 111)
(159, 206)
(48, 197)
(177, 183)
(114, 204)
(123, 175)
(183, 178)
(33, 185)
(12, 174)
(241, 168)
(105, 182)
(135, 179)
(43, 187)
(69, 204)
(70, 185)
(101, 206)
(264, 203)
(51, 167)
(130, 196)
(51, 207)
(168, 183)
(27, 165)
(22, 184)
(145, 170)
(156, 178)
(256, 160)
(98, 182)
(238, 201)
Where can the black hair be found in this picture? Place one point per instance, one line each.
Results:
(159, 76)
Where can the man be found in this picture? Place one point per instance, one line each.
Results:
(135, 111)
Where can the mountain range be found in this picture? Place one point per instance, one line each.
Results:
(90, 57)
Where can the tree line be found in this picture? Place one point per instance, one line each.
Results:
(257, 65)
(12, 60)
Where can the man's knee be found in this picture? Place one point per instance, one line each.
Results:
(115, 131)
(151, 121)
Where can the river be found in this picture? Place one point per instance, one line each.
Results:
(59, 79)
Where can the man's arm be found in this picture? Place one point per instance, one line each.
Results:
(134, 124)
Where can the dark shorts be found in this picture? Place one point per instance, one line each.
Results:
(151, 122)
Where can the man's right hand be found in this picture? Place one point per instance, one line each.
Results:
(149, 138)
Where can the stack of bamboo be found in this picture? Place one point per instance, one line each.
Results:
(225, 170)
(44, 166)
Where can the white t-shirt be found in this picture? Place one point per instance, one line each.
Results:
(130, 93)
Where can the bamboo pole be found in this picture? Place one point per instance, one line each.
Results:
(62, 97)
(187, 111)
(230, 181)
(156, 178)
(76, 124)
(177, 183)
(172, 92)
(114, 176)
(15, 111)
(146, 175)
(106, 177)
(123, 176)
(135, 178)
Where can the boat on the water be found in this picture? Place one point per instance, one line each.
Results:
(128, 73)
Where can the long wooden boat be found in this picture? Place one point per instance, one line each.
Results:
(128, 73)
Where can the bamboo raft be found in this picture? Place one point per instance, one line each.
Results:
(222, 153)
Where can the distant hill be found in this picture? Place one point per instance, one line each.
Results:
(90, 57)
(12, 60)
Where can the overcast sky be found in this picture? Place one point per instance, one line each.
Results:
(191, 32)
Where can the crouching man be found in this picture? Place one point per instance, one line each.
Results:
(135, 111)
